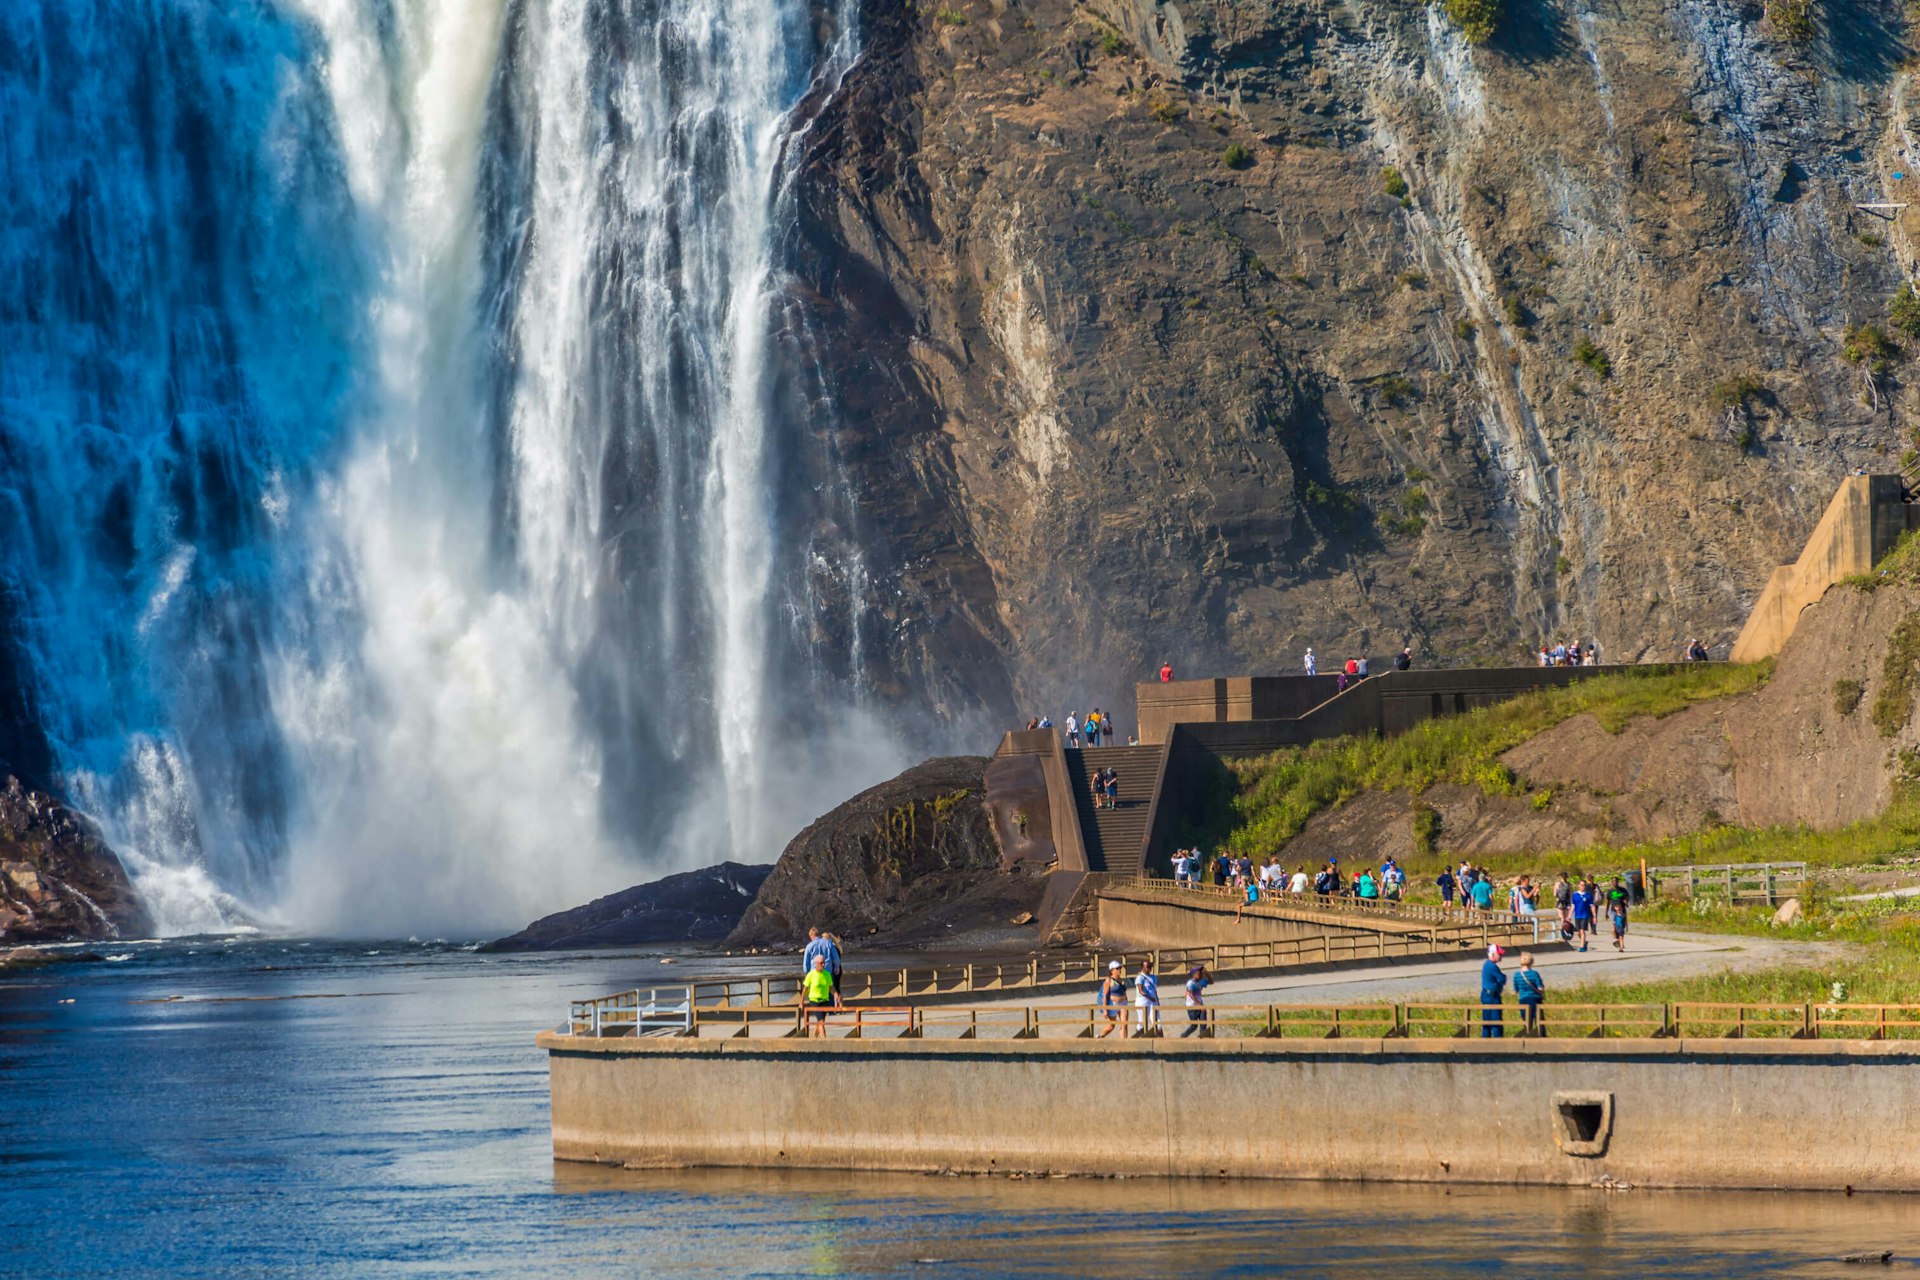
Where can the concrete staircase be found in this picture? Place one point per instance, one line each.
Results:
(1114, 837)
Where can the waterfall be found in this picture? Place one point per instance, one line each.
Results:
(402, 525)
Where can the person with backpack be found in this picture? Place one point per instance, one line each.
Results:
(1197, 983)
(1563, 902)
(1529, 988)
(1113, 1000)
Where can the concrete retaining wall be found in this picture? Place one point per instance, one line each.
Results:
(1142, 924)
(1866, 517)
(1678, 1113)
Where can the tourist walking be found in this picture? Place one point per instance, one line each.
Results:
(1493, 984)
(1073, 730)
(1445, 882)
(1113, 1000)
(822, 993)
(1563, 902)
(1313, 667)
(1405, 661)
(1146, 998)
(1529, 988)
(1197, 983)
(1581, 908)
(1113, 787)
(1298, 885)
(1482, 891)
(1617, 912)
(821, 946)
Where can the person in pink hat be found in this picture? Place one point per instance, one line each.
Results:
(1493, 984)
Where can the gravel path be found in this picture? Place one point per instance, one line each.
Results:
(1651, 954)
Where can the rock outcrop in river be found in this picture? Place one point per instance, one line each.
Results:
(58, 880)
(910, 862)
(694, 906)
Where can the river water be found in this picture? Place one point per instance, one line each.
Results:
(264, 1107)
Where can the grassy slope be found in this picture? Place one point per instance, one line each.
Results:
(1277, 794)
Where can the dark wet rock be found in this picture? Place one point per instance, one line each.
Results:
(693, 906)
(910, 862)
(58, 879)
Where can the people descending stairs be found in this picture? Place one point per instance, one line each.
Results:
(1114, 836)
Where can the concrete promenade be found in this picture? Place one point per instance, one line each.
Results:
(1653, 955)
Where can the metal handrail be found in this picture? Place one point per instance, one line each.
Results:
(1688, 1019)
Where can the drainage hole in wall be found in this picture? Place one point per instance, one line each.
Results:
(1582, 1120)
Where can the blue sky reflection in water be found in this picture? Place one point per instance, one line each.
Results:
(274, 1108)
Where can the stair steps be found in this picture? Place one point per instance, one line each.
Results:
(1114, 837)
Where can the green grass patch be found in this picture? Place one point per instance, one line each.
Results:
(1278, 793)
(1893, 705)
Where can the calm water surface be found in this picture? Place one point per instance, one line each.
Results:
(269, 1108)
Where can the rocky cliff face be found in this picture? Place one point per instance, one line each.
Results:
(58, 880)
(693, 906)
(912, 862)
(1211, 329)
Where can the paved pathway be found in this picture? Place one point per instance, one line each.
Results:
(1651, 954)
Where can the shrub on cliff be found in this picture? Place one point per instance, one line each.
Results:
(1477, 19)
(1791, 19)
(1236, 156)
(1903, 311)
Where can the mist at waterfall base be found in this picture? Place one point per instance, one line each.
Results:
(415, 512)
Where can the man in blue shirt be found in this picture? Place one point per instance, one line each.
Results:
(1582, 915)
(1197, 983)
(818, 945)
(1493, 983)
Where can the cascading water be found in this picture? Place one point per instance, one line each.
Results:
(401, 525)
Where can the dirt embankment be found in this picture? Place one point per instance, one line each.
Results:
(1807, 747)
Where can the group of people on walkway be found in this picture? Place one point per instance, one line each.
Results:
(820, 979)
(1111, 1000)
(1271, 880)
(1356, 668)
(1094, 729)
(1582, 904)
(1569, 655)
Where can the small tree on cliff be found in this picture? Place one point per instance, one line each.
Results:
(1477, 19)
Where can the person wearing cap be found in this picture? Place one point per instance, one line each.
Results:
(1197, 983)
(1493, 983)
(1113, 999)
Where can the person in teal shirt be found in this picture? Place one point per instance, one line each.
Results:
(1483, 893)
(1367, 888)
(1529, 988)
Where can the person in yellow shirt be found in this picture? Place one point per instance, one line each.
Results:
(818, 991)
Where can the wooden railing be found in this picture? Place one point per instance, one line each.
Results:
(1690, 1020)
(1363, 909)
(651, 1008)
(1767, 882)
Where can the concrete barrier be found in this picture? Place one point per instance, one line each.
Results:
(1860, 525)
(1672, 1113)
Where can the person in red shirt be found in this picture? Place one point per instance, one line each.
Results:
(1166, 673)
(1353, 667)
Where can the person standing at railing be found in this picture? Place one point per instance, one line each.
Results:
(1493, 983)
(1529, 988)
(821, 994)
(1298, 886)
(1197, 983)
(1113, 1000)
(1146, 998)
(1364, 888)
